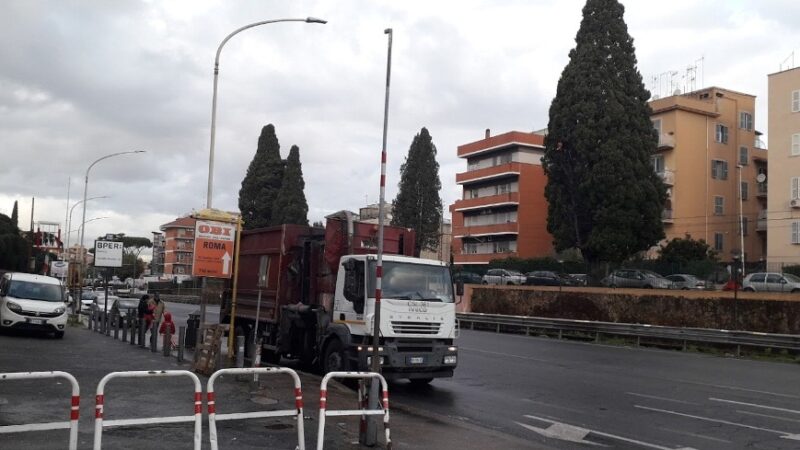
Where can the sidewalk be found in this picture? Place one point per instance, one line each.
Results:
(89, 356)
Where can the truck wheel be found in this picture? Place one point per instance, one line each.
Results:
(418, 382)
(334, 359)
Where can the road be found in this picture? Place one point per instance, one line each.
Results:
(570, 395)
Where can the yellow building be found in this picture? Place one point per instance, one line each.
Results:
(783, 218)
(707, 144)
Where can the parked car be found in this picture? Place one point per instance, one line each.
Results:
(467, 277)
(503, 277)
(635, 278)
(685, 281)
(581, 278)
(122, 305)
(32, 302)
(87, 300)
(548, 278)
(771, 282)
(100, 301)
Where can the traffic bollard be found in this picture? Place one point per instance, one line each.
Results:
(154, 337)
(107, 327)
(133, 328)
(91, 321)
(141, 334)
(181, 339)
(125, 324)
(166, 344)
(101, 319)
(240, 351)
(115, 325)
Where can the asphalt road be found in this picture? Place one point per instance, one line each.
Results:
(573, 395)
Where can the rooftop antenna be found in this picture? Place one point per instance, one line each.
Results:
(790, 59)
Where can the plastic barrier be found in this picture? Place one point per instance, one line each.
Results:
(72, 423)
(323, 404)
(213, 417)
(196, 418)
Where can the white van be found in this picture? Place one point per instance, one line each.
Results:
(32, 302)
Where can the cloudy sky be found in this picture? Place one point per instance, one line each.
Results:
(83, 79)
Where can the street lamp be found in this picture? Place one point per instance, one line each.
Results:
(214, 97)
(741, 218)
(69, 221)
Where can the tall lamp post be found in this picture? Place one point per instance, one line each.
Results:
(741, 218)
(214, 96)
(69, 220)
(86, 188)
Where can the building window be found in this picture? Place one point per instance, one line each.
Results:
(744, 226)
(746, 121)
(473, 193)
(658, 163)
(719, 205)
(743, 155)
(503, 188)
(795, 232)
(796, 101)
(796, 144)
(795, 188)
(719, 169)
(657, 126)
(722, 134)
(719, 241)
(745, 190)
(501, 247)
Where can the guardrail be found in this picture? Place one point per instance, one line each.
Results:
(568, 328)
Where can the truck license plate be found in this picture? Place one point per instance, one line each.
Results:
(37, 321)
(416, 360)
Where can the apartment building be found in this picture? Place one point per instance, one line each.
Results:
(157, 262)
(178, 246)
(708, 153)
(783, 209)
(502, 211)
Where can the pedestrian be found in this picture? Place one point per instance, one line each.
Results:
(141, 310)
(167, 324)
(149, 313)
(158, 311)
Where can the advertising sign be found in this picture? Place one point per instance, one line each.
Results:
(59, 269)
(107, 254)
(213, 249)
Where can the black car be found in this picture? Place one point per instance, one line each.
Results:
(548, 278)
(467, 277)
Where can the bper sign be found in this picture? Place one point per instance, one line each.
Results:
(107, 254)
(213, 249)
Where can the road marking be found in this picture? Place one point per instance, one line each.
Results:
(552, 405)
(784, 434)
(572, 433)
(653, 397)
(754, 405)
(768, 416)
(701, 436)
(530, 358)
(734, 388)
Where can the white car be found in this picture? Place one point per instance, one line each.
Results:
(32, 302)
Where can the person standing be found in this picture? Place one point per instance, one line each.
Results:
(141, 309)
(158, 311)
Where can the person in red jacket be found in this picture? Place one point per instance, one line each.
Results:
(167, 324)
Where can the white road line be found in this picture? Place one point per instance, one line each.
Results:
(754, 405)
(734, 388)
(784, 434)
(572, 433)
(701, 436)
(654, 397)
(767, 415)
(529, 358)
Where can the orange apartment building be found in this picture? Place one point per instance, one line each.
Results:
(783, 217)
(503, 211)
(178, 245)
(707, 144)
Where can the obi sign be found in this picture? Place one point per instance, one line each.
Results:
(213, 249)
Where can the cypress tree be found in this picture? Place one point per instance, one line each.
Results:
(418, 204)
(291, 206)
(15, 214)
(603, 194)
(262, 183)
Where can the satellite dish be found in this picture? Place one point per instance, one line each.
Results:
(761, 178)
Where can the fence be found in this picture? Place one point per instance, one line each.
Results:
(71, 424)
(323, 404)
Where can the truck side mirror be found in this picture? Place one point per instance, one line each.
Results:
(460, 287)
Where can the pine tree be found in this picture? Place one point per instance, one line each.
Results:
(603, 194)
(15, 214)
(262, 183)
(418, 204)
(291, 206)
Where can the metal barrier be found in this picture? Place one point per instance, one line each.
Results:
(71, 424)
(213, 417)
(196, 418)
(323, 404)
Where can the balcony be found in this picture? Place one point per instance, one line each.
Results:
(761, 192)
(480, 258)
(667, 176)
(486, 230)
(510, 198)
(666, 216)
(489, 173)
(666, 142)
(761, 223)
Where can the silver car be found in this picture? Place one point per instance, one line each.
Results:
(771, 282)
(686, 282)
(635, 278)
(503, 277)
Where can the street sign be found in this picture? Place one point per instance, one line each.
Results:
(107, 253)
(213, 249)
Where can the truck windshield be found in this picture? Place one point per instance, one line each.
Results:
(35, 291)
(406, 281)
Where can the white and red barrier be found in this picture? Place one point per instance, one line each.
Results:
(213, 417)
(71, 424)
(100, 398)
(363, 412)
